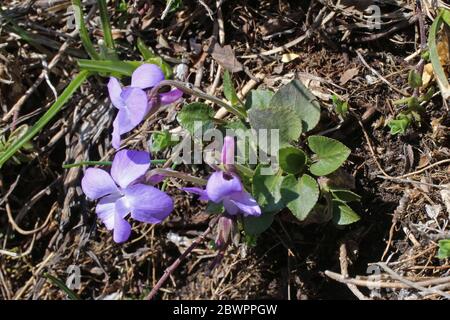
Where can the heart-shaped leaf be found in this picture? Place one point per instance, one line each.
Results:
(292, 160)
(281, 119)
(300, 195)
(297, 97)
(256, 225)
(195, 116)
(343, 214)
(259, 99)
(331, 154)
(267, 191)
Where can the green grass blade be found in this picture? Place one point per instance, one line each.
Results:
(434, 56)
(57, 282)
(49, 115)
(84, 34)
(106, 26)
(144, 50)
(124, 68)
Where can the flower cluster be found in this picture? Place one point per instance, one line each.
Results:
(126, 192)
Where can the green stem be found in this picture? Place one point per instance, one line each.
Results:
(102, 163)
(86, 163)
(198, 93)
(49, 115)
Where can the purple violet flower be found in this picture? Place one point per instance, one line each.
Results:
(121, 193)
(226, 187)
(132, 101)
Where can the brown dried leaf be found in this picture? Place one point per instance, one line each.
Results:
(226, 58)
(348, 75)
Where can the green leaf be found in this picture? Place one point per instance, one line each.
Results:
(340, 105)
(254, 226)
(106, 27)
(146, 52)
(297, 97)
(49, 115)
(438, 70)
(343, 214)
(122, 6)
(400, 124)
(196, 115)
(229, 90)
(161, 141)
(259, 99)
(345, 195)
(444, 249)
(446, 16)
(414, 79)
(300, 195)
(109, 67)
(331, 154)
(267, 191)
(61, 285)
(292, 160)
(282, 119)
(84, 34)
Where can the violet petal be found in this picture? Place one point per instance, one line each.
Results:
(170, 97)
(129, 165)
(147, 203)
(106, 209)
(115, 90)
(221, 185)
(137, 104)
(246, 204)
(230, 207)
(122, 229)
(146, 76)
(97, 183)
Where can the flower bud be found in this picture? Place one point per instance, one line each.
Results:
(225, 227)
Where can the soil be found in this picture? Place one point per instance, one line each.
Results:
(290, 259)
